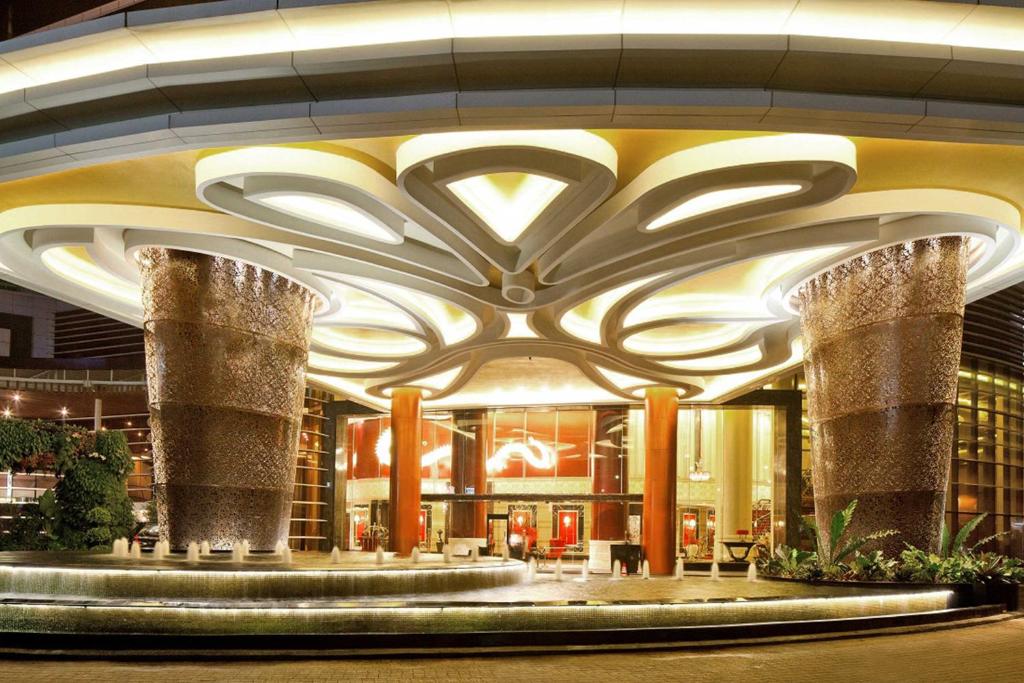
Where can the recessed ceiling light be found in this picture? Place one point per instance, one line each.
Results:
(719, 199)
(519, 327)
(733, 359)
(75, 264)
(331, 212)
(507, 202)
(369, 342)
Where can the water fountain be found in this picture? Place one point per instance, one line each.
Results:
(120, 548)
(237, 554)
(161, 550)
(504, 552)
(474, 554)
(204, 548)
(379, 559)
(646, 569)
(446, 551)
(616, 570)
(135, 552)
(415, 555)
(286, 556)
(558, 569)
(531, 569)
(335, 555)
(192, 553)
(714, 571)
(752, 572)
(586, 571)
(246, 548)
(680, 569)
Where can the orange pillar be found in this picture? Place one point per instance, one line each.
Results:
(661, 406)
(406, 469)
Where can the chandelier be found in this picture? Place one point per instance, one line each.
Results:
(698, 473)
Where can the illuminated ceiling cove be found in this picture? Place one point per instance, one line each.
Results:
(512, 267)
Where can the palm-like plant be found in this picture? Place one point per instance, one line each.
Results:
(833, 555)
(956, 545)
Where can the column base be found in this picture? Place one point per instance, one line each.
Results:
(600, 558)
(463, 546)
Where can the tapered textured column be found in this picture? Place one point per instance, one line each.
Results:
(882, 340)
(406, 469)
(608, 521)
(469, 475)
(226, 348)
(661, 408)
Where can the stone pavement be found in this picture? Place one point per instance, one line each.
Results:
(991, 652)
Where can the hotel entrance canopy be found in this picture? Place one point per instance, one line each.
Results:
(517, 202)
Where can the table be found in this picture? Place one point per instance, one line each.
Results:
(628, 556)
(736, 546)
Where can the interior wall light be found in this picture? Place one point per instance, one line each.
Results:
(534, 452)
(383, 451)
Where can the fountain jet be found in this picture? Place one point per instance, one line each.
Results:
(120, 548)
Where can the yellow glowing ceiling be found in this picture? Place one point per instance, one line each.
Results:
(507, 202)
(699, 322)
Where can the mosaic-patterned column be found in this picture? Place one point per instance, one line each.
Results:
(406, 469)
(661, 415)
(226, 348)
(882, 348)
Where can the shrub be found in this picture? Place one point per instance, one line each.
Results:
(89, 507)
(95, 508)
(844, 560)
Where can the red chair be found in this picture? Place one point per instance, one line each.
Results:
(556, 548)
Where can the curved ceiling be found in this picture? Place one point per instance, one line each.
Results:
(227, 73)
(456, 262)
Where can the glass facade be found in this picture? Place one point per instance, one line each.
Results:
(987, 472)
(308, 530)
(550, 471)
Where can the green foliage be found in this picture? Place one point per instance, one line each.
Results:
(791, 563)
(95, 504)
(833, 556)
(956, 546)
(28, 445)
(18, 440)
(36, 527)
(965, 566)
(872, 566)
(845, 561)
(89, 507)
